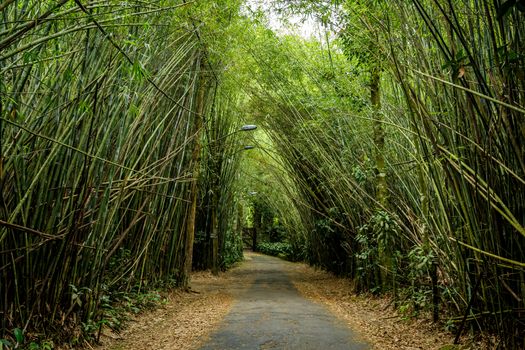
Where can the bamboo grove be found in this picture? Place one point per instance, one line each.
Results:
(103, 107)
(389, 150)
(404, 136)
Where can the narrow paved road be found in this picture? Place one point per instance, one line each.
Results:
(269, 313)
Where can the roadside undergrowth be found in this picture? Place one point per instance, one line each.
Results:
(375, 318)
(183, 320)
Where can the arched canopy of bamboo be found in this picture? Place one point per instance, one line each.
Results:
(142, 139)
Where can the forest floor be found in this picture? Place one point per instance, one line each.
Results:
(209, 316)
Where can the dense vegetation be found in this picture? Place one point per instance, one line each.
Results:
(390, 149)
(110, 113)
(403, 135)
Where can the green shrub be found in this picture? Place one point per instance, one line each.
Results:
(283, 250)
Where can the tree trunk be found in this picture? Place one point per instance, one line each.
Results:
(194, 188)
(215, 226)
(381, 186)
(379, 135)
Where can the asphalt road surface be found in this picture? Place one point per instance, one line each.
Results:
(269, 313)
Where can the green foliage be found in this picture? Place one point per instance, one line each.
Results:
(280, 249)
(5, 344)
(115, 308)
(367, 258)
(19, 335)
(233, 249)
(387, 151)
(386, 230)
(376, 239)
(448, 208)
(20, 342)
(420, 262)
(95, 157)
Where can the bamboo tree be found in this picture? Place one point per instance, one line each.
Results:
(450, 155)
(100, 158)
(195, 161)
